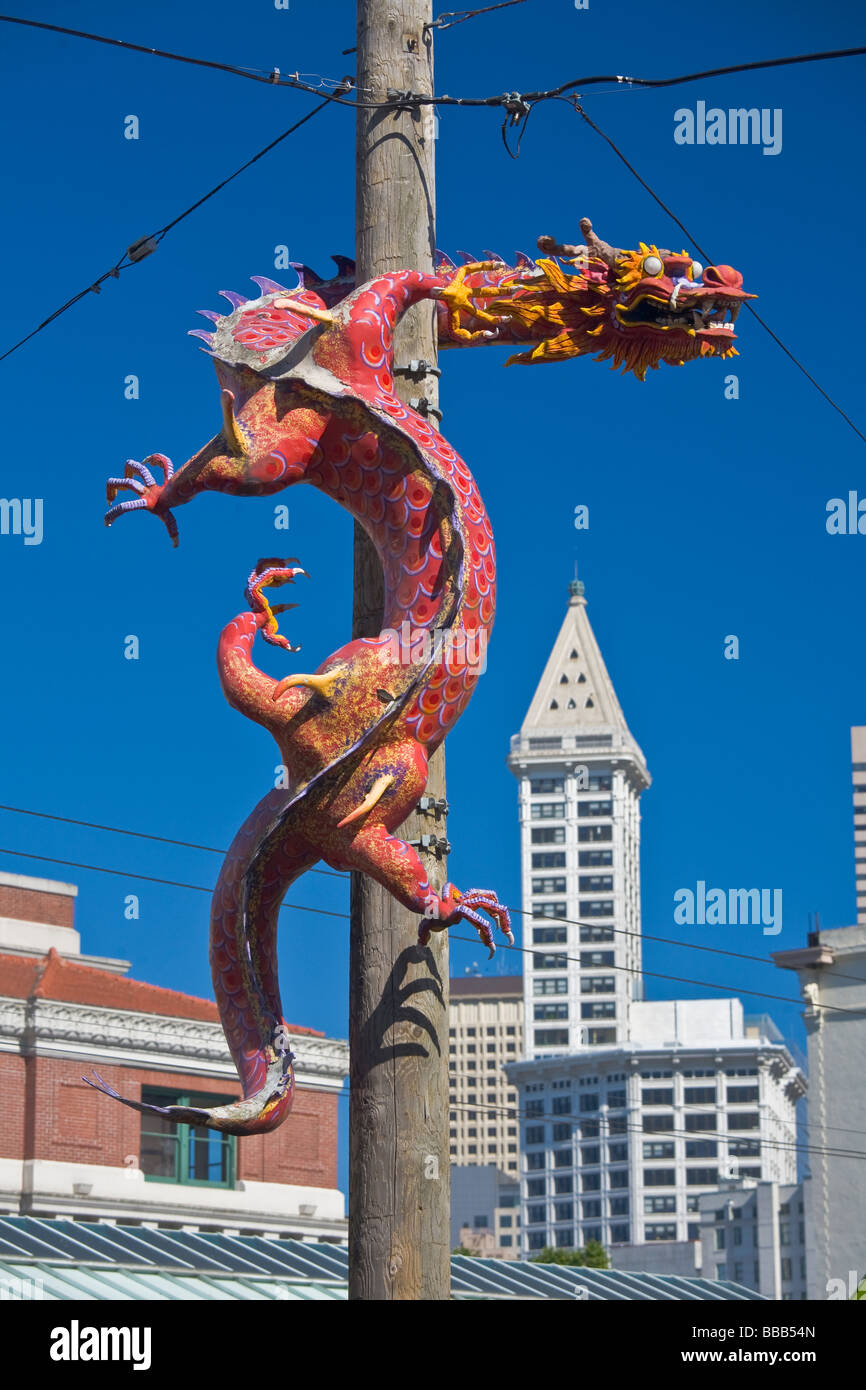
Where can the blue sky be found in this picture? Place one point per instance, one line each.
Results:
(707, 515)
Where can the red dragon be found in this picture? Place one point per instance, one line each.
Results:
(308, 396)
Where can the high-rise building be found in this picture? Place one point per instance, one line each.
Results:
(620, 1143)
(832, 974)
(858, 773)
(630, 1109)
(485, 1032)
(581, 774)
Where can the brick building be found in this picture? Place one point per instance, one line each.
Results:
(67, 1150)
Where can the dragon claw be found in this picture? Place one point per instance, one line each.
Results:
(464, 907)
(138, 478)
(268, 574)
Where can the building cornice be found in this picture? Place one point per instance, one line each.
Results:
(57, 1028)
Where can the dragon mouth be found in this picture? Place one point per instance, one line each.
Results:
(711, 317)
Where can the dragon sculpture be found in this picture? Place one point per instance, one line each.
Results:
(308, 396)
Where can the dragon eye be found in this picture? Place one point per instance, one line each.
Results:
(697, 270)
(652, 266)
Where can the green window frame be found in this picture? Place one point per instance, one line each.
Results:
(191, 1155)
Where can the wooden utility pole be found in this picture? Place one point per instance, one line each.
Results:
(399, 1165)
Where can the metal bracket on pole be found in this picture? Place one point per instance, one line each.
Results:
(433, 844)
(417, 369)
(433, 806)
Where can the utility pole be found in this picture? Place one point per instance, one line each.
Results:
(399, 1165)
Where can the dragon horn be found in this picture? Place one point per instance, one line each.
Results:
(601, 249)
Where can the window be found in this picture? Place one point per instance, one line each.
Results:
(561, 1105)
(784, 1233)
(549, 861)
(539, 785)
(547, 810)
(618, 1153)
(535, 1187)
(589, 833)
(596, 883)
(658, 1150)
(600, 781)
(534, 1134)
(562, 1158)
(534, 1107)
(549, 835)
(744, 1119)
(588, 809)
(543, 1011)
(555, 910)
(194, 1154)
(589, 1129)
(596, 934)
(592, 858)
(739, 1095)
(596, 907)
(536, 1215)
(696, 1123)
(590, 1182)
(620, 1234)
(719, 1234)
(616, 1099)
(702, 1148)
(601, 1008)
(551, 986)
(590, 1154)
(702, 1177)
(537, 1240)
(588, 959)
(738, 1233)
(657, 1095)
(618, 1178)
(549, 936)
(618, 1206)
(660, 1231)
(700, 1095)
(659, 1204)
(660, 1177)
(657, 1124)
(693, 1231)
(562, 1133)
(563, 1184)
(549, 962)
(588, 1102)
(563, 1211)
(590, 1209)
(598, 984)
(534, 1162)
(600, 1037)
(744, 1148)
(551, 1037)
(548, 885)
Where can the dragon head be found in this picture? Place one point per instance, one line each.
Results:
(637, 308)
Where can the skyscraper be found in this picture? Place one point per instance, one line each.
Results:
(581, 774)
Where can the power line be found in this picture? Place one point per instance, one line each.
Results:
(523, 950)
(146, 245)
(147, 878)
(454, 17)
(776, 339)
(650, 1137)
(333, 873)
(402, 99)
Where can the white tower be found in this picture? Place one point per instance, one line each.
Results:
(581, 774)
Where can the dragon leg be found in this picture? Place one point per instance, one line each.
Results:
(397, 866)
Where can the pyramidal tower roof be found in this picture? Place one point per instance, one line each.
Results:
(575, 697)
